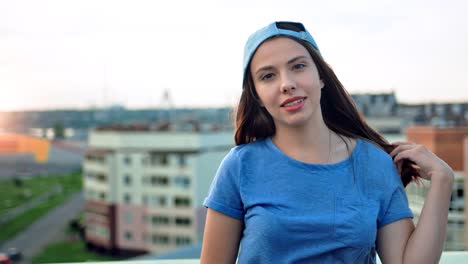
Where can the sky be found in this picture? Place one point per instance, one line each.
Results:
(82, 54)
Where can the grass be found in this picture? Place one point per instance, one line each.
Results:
(12, 196)
(70, 183)
(21, 222)
(69, 251)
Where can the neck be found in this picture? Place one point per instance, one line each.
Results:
(312, 143)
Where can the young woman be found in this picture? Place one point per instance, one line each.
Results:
(309, 181)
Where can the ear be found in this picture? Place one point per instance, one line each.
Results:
(322, 84)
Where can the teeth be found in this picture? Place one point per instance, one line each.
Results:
(294, 102)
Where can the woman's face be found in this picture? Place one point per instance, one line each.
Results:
(287, 82)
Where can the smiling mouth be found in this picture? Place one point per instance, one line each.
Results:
(295, 102)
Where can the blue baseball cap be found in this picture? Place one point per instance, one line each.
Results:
(279, 28)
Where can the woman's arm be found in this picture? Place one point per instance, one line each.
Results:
(400, 242)
(221, 238)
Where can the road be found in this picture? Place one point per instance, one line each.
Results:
(45, 230)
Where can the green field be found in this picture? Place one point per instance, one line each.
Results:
(73, 251)
(29, 189)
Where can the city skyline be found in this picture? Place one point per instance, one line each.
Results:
(81, 54)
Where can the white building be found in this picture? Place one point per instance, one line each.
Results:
(144, 188)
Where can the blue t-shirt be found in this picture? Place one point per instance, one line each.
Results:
(296, 212)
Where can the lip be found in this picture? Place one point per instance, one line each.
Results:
(292, 99)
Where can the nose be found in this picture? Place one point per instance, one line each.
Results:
(287, 84)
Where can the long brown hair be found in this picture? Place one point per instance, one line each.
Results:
(339, 112)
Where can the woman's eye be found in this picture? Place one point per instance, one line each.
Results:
(267, 76)
(299, 66)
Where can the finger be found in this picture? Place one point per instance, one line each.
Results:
(399, 158)
(401, 148)
(402, 143)
(407, 153)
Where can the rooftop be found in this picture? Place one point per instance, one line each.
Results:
(448, 257)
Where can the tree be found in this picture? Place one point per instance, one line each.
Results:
(59, 130)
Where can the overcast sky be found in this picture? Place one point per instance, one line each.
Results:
(78, 54)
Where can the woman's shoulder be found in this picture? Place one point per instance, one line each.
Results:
(244, 155)
(248, 149)
(377, 165)
(373, 151)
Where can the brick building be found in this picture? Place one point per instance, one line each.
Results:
(450, 144)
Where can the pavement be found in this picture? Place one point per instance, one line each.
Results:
(47, 229)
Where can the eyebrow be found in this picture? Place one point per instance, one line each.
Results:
(268, 67)
(296, 59)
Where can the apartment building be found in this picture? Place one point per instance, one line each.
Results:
(435, 114)
(380, 110)
(450, 144)
(144, 186)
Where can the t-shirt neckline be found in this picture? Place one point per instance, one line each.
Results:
(327, 166)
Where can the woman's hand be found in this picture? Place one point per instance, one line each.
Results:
(428, 164)
(426, 241)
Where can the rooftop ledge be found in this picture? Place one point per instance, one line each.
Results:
(448, 257)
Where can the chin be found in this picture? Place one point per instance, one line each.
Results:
(296, 122)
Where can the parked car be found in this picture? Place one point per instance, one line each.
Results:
(14, 254)
(4, 259)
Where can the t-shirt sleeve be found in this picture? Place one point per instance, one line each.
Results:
(395, 203)
(224, 194)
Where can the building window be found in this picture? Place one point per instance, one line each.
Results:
(127, 160)
(101, 177)
(127, 198)
(159, 220)
(96, 158)
(183, 221)
(158, 158)
(128, 179)
(164, 159)
(160, 239)
(128, 217)
(144, 199)
(182, 182)
(162, 201)
(457, 200)
(183, 241)
(128, 235)
(182, 160)
(159, 180)
(182, 202)
(90, 175)
(157, 200)
(101, 231)
(145, 180)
